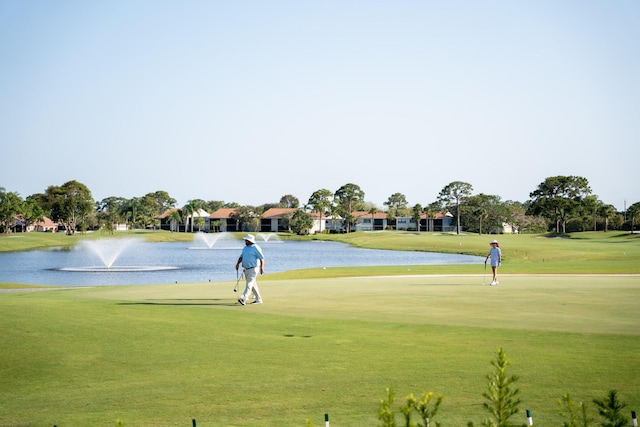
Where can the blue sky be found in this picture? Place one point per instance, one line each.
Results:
(247, 101)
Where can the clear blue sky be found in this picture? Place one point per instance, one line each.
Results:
(247, 101)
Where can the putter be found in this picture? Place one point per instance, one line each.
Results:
(235, 289)
(484, 276)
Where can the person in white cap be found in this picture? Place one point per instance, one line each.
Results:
(252, 261)
(496, 260)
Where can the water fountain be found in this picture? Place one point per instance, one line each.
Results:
(269, 237)
(108, 251)
(209, 240)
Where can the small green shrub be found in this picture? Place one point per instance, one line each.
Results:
(610, 409)
(576, 417)
(502, 401)
(423, 407)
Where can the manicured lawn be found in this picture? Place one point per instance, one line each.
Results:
(164, 354)
(327, 340)
(589, 252)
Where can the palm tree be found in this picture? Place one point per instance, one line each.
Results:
(176, 217)
(373, 210)
(430, 210)
(607, 211)
(634, 211)
(320, 201)
(192, 207)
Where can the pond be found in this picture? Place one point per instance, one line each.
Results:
(141, 262)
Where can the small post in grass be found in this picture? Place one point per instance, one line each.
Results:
(634, 418)
(193, 422)
(529, 417)
(326, 420)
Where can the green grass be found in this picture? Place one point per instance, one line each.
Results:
(590, 252)
(326, 340)
(29, 241)
(164, 354)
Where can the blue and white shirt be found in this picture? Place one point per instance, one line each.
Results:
(251, 256)
(495, 254)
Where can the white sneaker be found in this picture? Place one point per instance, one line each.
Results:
(494, 283)
(256, 302)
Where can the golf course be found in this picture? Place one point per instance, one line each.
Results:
(328, 340)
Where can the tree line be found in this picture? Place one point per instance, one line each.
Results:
(559, 204)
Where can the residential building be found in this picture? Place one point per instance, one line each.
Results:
(222, 220)
(277, 220)
(366, 221)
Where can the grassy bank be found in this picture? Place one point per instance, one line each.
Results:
(164, 354)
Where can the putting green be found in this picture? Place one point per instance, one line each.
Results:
(570, 303)
(164, 354)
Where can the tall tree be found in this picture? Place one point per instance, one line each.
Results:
(607, 212)
(109, 212)
(11, 204)
(417, 213)
(517, 218)
(190, 210)
(348, 198)
(214, 205)
(162, 202)
(321, 201)
(488, 210)
(32, 211)
(175, 216)
(301, 222)
(396, 202)
(633, 211)
(558, 197)
(289, 201)
(430, 211)
(68, 204)
(247, 216)
(591, 205)
(455, 194)
(373, 211)
(131, 212)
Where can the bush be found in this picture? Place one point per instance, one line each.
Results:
(502, 401)
(423, 408)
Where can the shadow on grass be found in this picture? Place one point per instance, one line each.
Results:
(184, 302)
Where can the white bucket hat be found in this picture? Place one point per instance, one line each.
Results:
(250, 238)
(495, 241)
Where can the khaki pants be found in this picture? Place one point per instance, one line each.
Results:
(250, 275)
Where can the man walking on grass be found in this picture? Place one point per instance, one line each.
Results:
(252, 261)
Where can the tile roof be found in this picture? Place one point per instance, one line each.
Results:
(223, 213)
(166, 213)
(278, 212)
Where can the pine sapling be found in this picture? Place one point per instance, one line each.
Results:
(386, 414)
(576, 417)
(502, 401)
(427, 414)
(610, 408)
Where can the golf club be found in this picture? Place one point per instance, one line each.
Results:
(484, 276)
(238, 277)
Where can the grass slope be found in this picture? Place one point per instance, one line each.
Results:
(163, 354)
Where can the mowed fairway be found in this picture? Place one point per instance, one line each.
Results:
(160, 355)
